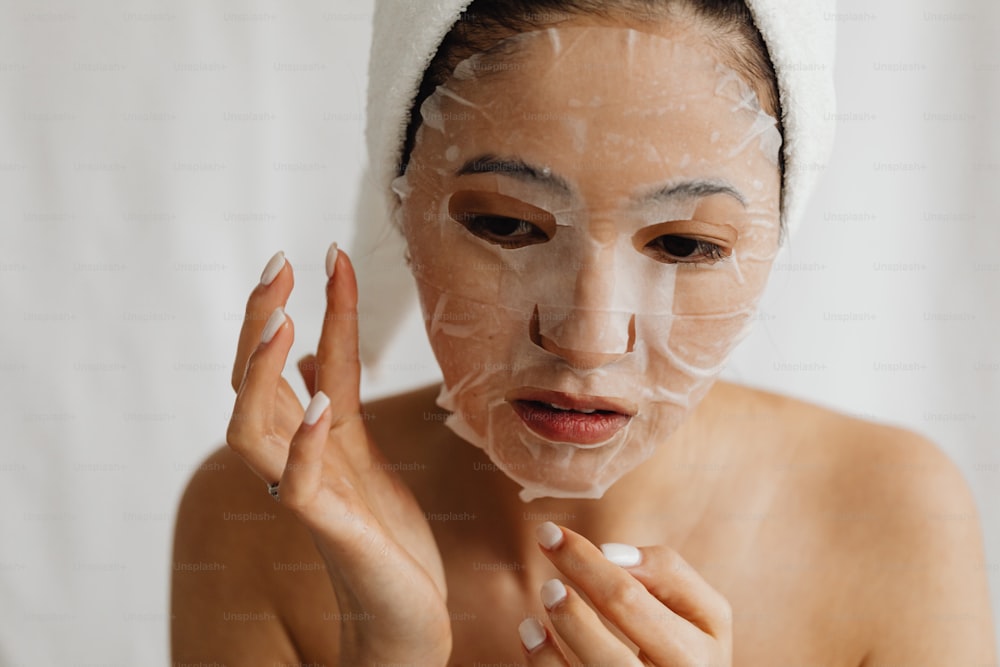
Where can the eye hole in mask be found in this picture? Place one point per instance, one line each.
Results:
(500, 220)
(673, 249)
(694, 241)
(685, 242)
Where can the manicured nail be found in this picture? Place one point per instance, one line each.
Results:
(624, 555)
(553, 592)
(273, 324)
(316, 407)
(532, 633)
(273, 268)
(549, 535)
(331, 260)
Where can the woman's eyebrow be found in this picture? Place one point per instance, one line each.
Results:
(515, 168)
(694, 190)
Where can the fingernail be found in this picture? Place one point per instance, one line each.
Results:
(549, 535)
(331, 260)
(624, 555)
(553, 592)
(274, 323)
(273, 268)
(532, 633)
(316, 407)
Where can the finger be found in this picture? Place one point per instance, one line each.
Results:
(660, 633)
(253, 432)
(540, 649)
(272, 291)
(303, 475)
(338, 369)
(670, 579)
(581, 629)
(307, 369)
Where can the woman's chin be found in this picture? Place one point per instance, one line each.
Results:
(561, 470)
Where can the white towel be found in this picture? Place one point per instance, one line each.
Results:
(800, 37)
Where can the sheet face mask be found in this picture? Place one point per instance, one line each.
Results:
(591, 215)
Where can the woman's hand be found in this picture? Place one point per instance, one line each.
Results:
(651, 596)
(381, 556)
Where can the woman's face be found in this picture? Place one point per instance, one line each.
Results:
(591, 214)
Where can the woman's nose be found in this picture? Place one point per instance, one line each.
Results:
(585, 339)
(591, 322)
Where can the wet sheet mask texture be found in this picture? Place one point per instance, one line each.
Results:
(592, 211)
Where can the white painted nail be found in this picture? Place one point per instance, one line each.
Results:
(331, 260)
(273, 268)
(624, 555)
(532, 633)
(274, 323)
(553, 592)
(549, 535)
(316, 407)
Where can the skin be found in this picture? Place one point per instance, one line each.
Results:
(793, 535)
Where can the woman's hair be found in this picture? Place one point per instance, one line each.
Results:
(486, 22)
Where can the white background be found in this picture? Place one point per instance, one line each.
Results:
(138, 209)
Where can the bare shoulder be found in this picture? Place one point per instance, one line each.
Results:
(899, 526)
(888, 457)
(862, 470)
(247, 582)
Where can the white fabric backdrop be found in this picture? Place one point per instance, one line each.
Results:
(154, 155)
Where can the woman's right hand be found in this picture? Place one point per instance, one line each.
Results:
(380, 553)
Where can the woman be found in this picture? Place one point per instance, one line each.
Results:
(591, 199)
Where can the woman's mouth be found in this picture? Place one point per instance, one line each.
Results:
(584, 421)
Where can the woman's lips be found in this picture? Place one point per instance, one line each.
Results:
(571, 418)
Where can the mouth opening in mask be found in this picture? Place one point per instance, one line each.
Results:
(581, 421)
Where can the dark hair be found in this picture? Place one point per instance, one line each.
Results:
(486, 22)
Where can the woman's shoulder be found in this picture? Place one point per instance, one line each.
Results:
(855, 459)
(226, 510)
(247, 577)
(806, 424)
(888, 515)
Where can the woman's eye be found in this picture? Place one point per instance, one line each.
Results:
(503, 231)
(671, 248)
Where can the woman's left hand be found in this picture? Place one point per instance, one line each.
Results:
(650, 595)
